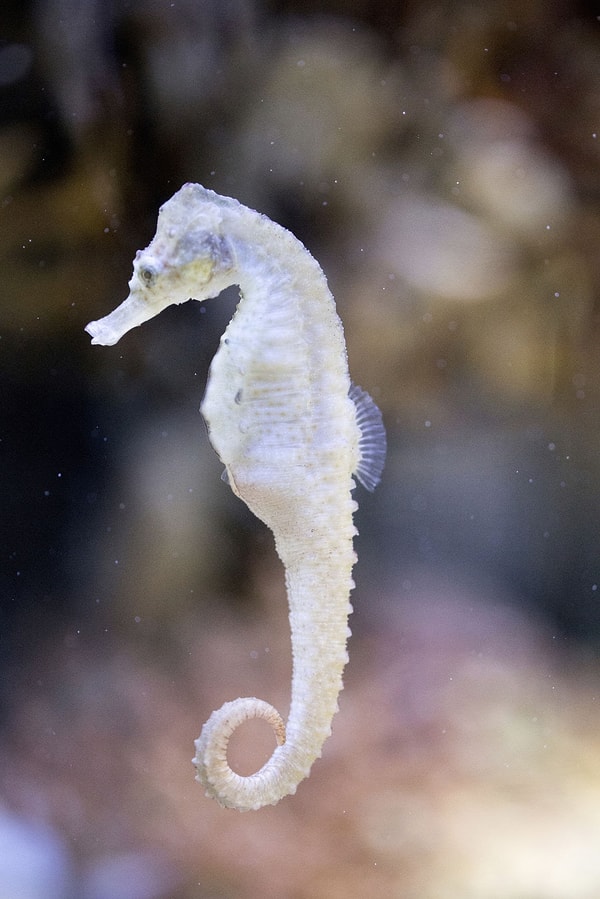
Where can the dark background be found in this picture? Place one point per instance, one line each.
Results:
(441, 162)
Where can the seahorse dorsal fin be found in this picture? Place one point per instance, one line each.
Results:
(372, 444)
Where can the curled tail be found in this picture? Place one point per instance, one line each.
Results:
(231, 790)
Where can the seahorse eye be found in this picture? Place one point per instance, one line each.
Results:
(148, 274)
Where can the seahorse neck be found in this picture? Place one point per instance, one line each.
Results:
(270, 260)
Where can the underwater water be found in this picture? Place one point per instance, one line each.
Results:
(441, 163)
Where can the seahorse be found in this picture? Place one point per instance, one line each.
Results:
(292, 433)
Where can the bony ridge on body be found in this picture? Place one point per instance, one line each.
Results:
(292, 433)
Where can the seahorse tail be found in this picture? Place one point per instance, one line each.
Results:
(231, 790)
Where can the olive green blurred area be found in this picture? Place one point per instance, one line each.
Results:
(442, 162)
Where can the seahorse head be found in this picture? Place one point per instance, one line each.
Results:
(188, 258)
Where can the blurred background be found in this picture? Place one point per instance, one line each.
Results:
(441, 161)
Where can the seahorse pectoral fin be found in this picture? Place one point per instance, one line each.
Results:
(372, 444)
(227, 478)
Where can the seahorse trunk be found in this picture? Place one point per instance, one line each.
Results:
(281, 420)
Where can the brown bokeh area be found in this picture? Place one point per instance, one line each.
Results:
(441, 160)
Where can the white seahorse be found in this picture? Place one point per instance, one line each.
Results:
(291, 432)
